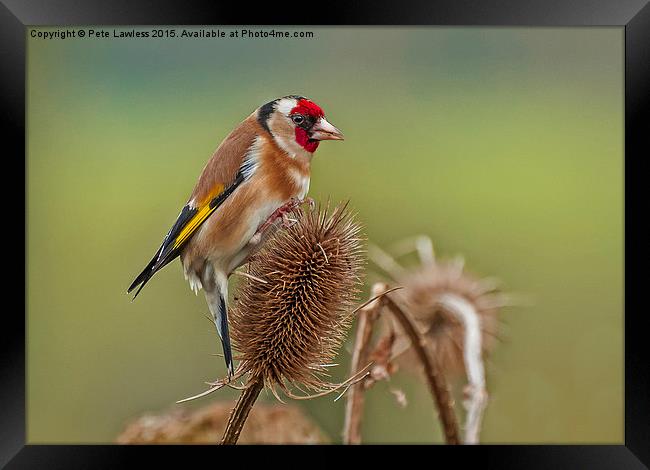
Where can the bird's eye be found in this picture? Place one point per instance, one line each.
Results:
(298, 119)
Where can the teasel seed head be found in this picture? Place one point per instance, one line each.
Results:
(424, 289)
(292, 312)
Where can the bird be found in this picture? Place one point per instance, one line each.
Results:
(258, 174)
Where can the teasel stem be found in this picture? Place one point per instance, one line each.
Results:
(241, 410)
(437, 383)
(356, 396)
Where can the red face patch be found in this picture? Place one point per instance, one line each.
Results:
(308, 108)
(303, 140)
(311, 109)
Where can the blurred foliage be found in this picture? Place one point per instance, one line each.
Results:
(267, 424)
(503, 144)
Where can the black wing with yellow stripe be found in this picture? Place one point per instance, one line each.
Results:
(189, 220)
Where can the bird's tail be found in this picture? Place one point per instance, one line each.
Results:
(224, 334)
(219, 308)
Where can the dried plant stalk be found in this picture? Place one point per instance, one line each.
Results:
(242, 409)
(355, 401)
(435, 379)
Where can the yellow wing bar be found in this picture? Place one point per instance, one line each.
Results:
(191, 226)
(198, 218)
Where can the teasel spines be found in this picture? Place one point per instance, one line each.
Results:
(292, 312)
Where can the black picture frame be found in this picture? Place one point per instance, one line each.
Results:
(632, 15)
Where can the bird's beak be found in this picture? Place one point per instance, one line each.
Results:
(323, 130)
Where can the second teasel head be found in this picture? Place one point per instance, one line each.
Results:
(423, 288)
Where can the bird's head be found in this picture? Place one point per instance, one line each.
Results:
(297, 124)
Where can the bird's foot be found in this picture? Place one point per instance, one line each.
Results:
(282, 213)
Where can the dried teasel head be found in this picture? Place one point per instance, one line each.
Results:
(429, 288)
(292, 312)
(434, 293)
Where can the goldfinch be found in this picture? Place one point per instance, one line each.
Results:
(257, 174)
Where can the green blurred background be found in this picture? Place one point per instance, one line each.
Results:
(503, 144)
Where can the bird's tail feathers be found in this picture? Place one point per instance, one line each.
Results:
(216, 294)
(224, 334)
